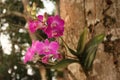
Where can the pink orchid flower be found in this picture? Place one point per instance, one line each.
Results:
(55, 27)
(29, 55)
(47, 47)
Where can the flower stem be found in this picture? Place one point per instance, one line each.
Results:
(64, 42)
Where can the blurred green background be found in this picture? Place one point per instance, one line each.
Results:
(14, 40)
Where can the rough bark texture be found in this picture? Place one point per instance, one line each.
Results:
(101, 16)
(73, 14)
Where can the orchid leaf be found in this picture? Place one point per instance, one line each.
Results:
(82, 41)
(90, 51)
(72, 51)
(95, 41)
(63, 63)
(88, 61)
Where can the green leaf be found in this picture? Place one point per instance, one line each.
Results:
(72, 51)
(82, 41)
(90, 58)
(63, 63)
(90, 51)
(95, 41)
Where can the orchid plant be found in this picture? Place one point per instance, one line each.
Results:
(48, 51)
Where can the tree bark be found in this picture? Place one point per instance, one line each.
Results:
(73, 14)
(102, 17)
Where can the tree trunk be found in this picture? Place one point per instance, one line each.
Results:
(102, 17)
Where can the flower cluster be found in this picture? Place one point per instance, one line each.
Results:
(53, 27)
(47, 50)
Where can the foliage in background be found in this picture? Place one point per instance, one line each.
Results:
(11, 66)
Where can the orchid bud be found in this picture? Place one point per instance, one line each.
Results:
(33, 13)
(28, 8)
(34, 7)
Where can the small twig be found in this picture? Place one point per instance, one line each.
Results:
(85, 21)
(39, 36)
(65, 44)
(93, 28)
(117, 13)
(9, 13)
